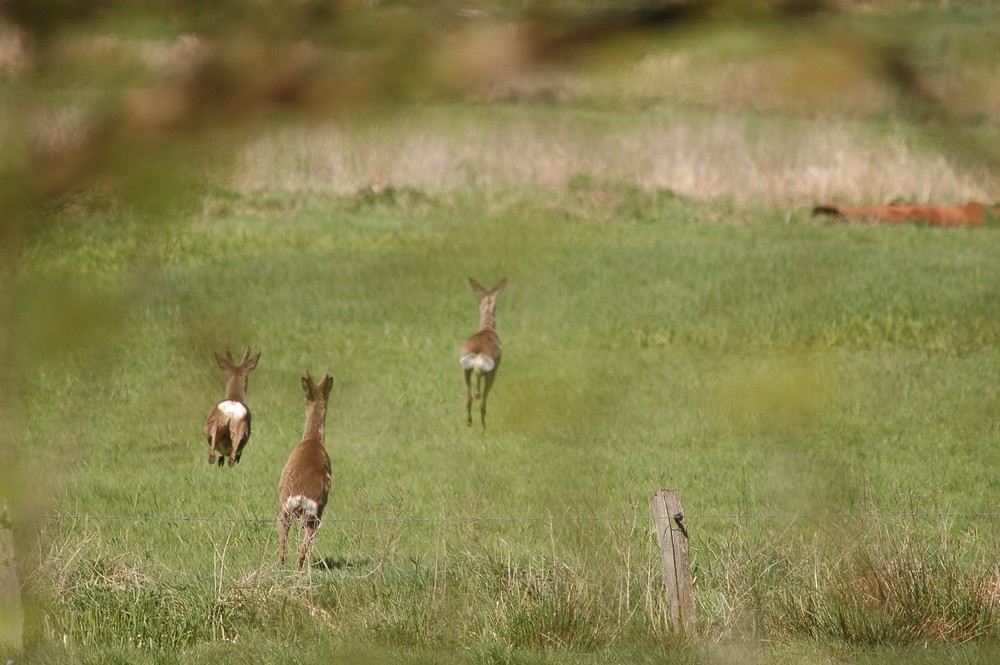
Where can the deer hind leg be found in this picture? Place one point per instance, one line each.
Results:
(212, 438)
(479, 383)
(284, 522)
(237, 432)
(486, 391)
(468, 398)
(311, 525)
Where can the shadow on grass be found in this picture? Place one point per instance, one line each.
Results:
(340, 563)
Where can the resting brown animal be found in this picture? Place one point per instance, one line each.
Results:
(967, 214)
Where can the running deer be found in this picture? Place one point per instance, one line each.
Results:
(480, 354)
(305, 480)
(228, 426)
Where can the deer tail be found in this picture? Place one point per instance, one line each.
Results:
(478, 362)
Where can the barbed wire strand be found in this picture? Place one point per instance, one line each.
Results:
(543, 519)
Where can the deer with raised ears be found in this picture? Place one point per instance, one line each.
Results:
(228, 426)
(305, 480)
(480, 353)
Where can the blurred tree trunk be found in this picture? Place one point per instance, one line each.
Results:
(11, 614)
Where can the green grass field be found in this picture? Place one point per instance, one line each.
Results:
(818, 393)
(823, 395)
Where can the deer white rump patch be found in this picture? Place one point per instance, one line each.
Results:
(232, 409)
(477, 362)
(301, 503)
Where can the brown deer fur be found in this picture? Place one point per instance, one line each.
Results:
(305, 480)
(480, 353)
(228, 426)
(968, 214)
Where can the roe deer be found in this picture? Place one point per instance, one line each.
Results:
(305, 480)
(228, 426)
(967, 214)
(481, 352)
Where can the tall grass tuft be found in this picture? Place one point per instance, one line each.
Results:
(542, 604)
(111, 601)
(892, 586)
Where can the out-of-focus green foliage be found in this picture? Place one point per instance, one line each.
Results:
(135, 96)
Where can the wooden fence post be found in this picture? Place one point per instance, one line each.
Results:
(671, 530)
(11, 614)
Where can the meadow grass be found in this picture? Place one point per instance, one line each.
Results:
(822, 395)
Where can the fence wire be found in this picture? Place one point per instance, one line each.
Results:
(544, 519)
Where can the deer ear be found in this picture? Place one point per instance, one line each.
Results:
(252, 364)
(223, 364)
(477, 287)
(327, 385)
(499, 287)
(307, 386)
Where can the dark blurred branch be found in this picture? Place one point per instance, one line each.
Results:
(925, 106)
(555, 37)
(565, 37)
